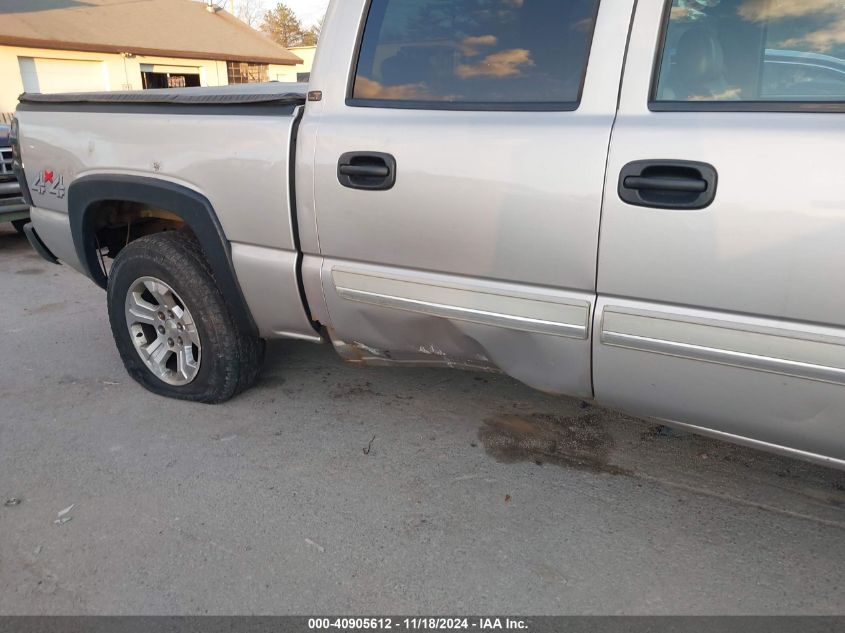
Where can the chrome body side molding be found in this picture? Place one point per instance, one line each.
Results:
(761, 348)
(556, 317)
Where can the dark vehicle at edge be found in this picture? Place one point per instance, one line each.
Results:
(13, 208)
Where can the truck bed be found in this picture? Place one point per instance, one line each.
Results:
(230, 145)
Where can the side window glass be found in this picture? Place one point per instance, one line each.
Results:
(753, 50)
(482, 52)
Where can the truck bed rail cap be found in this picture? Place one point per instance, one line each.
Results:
(240, 94)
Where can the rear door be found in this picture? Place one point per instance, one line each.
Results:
(459, 177)
(722, 261)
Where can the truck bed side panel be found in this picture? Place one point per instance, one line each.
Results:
(239, 162)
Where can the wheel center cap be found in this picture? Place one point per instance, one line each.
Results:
(171, 328)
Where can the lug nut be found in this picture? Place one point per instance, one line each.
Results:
(170, 315)
(179, 340)
(180, 327)
(161, 329)
(160, 315)
(170, 342)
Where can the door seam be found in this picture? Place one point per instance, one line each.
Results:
(593, 329)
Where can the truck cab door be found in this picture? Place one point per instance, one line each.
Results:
(459, 157)
(723, 227)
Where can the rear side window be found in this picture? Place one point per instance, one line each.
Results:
(753, 51)
(501, 54)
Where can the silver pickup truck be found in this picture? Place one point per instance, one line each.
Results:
(635, 202)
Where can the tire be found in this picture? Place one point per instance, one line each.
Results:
(19, 224)
(209, 359)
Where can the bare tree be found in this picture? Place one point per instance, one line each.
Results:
(311, 36)
(249, 12)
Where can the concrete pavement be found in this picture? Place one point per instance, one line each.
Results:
(270, 504)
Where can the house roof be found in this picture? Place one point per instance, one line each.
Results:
(166, 28)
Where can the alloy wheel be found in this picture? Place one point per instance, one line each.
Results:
(163, 331)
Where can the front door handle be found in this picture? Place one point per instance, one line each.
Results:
(370, 171)
(668, 184)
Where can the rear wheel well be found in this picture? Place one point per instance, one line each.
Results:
(108, 211)
(116, 223)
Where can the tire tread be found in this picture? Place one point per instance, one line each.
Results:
(236, 356)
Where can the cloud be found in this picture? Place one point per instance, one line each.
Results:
(821, 40)
(481, 40)
(730, 94)
(470, 45)
(584, 26)
(502, 64)
(681, 13)
(764, 10)
(370, 89)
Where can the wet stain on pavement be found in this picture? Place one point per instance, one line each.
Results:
(348, 390)
(48, 307)
(579, 442)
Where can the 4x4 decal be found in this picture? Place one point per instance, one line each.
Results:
(49, 182)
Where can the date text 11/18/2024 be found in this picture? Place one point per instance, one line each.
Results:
(419, 624)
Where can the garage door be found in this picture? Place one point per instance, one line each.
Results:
(44, 75)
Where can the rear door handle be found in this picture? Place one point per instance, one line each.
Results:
(370, 171)
(642, 183)
(668, 184)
